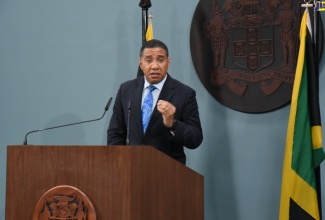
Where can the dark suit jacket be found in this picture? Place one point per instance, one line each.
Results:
(187, 132)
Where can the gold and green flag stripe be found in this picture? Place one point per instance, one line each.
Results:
(304, 151)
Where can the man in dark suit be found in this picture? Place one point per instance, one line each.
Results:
(174, 117)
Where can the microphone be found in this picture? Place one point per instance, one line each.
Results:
(128, 125)
(60, 126)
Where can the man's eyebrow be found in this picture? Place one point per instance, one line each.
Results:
(159, 55)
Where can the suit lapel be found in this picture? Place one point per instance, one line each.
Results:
(166, 94)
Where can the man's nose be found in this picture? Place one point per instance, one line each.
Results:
(154, 64)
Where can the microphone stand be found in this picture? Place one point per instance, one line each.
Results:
(128, 125)
(76, 123)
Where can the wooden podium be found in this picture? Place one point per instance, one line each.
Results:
(122, 182)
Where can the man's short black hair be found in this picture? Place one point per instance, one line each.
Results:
(154, 43)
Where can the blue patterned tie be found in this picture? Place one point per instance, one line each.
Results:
(147, 108)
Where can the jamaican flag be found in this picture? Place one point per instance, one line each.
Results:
(304, 152)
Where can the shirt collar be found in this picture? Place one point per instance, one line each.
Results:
(158, 85)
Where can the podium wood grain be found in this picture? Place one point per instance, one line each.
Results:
(123, 182)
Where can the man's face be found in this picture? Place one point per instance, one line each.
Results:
(154, 64)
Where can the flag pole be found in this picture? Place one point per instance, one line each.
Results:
(145, 5)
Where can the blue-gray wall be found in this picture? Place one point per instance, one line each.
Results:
(61, 60)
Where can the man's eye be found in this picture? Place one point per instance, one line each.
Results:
(161, 60)
(148, 60)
